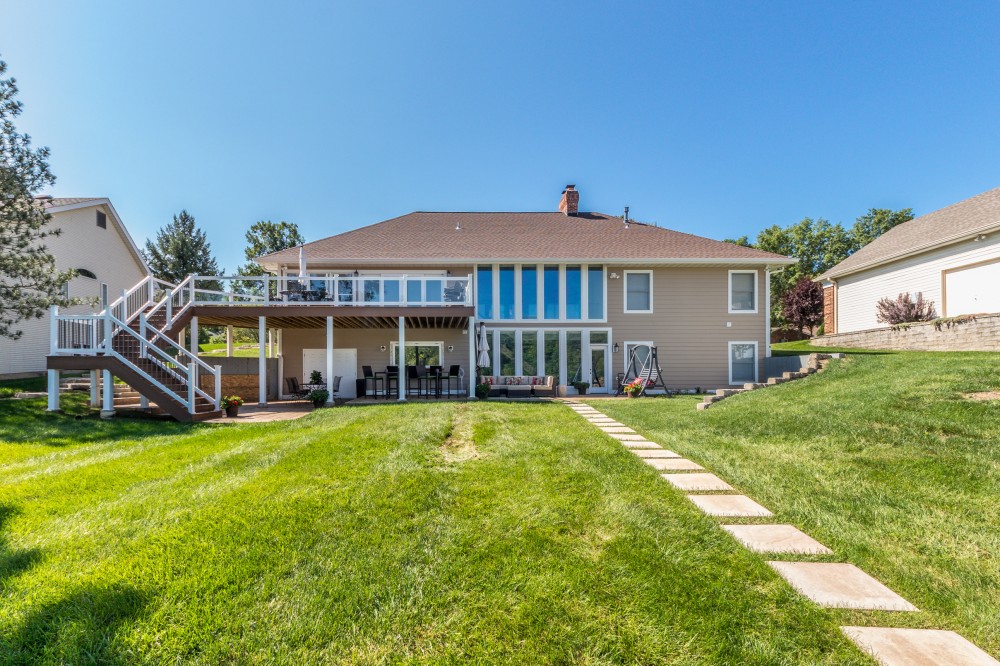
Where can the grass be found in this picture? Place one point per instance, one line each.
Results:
(417, 533)
(880, 458)
(244, 350)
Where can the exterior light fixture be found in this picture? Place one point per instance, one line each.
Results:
(614, 276)
(980, 237)
(382, 348)
(451, 348)
(617, 348)
(355, 272)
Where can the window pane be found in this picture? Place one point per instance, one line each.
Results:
(637, 291)
(506, 292)
(551, 292)
(552, 353)
(371, 291)
(529, 292)
(744, 361)
(484, 285)
(434, 291)
(507, 352)
(574, 356)
(345, 290)
(743, 291)
(529, 353)
(573, 292)
(391, 288)
(598, 337)
(414, 291)
(595, 292)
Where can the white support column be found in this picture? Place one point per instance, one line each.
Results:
(402, 359)
(562, 292)
(108, 408)
(471, 376)
(281, 365)
(194, 335)
(95, 387)
(229, 341)
(329, 360)
(53, 405)
(767, 315)
(143, 402)
(262, 362)
(270, 344)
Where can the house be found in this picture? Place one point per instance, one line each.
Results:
(567, 294)
(951, 256)
(96, 244)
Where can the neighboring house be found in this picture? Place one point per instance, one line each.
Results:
(95, 243)
(567, 294)
(951, 256)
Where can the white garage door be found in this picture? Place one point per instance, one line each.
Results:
(973, 290)
(345, 364)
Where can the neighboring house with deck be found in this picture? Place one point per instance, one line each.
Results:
(566, 294)
(951, 256)
(95, 243)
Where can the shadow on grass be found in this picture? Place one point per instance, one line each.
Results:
(79, 628)
(26, 421)
(13, 562)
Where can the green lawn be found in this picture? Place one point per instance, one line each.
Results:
(420, 533)
(241, 349)
(880, 458)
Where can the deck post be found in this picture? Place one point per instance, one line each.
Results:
(402, 359)
(472, 357)
(218, 387)
(329, 360)
(229, 341)
(53, 405)
(281, 366)
(108, 408)
(767, 313)
(261, 362)
(95, 386)
(270, 344)
(54, 330)
(194, 335)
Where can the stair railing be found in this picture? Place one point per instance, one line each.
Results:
(193, 362)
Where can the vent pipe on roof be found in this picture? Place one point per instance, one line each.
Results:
(625, 217)
(570, 202)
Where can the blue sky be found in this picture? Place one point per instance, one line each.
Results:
(713, 118)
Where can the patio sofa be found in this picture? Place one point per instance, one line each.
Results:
(521, 386)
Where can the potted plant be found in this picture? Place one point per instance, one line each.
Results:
(231, 403)
(319, 397)
(581, 387)
(315, 377)
(635, 388)
(482, 391)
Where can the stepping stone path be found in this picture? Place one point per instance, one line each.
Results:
(829, 584)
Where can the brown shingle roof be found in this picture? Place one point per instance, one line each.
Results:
(942, 227)
(69, 201)
(423, 236)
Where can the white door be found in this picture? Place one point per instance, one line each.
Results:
(972, 290)
(345, 365)
(600, 358)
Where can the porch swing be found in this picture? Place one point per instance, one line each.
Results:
(646, 369)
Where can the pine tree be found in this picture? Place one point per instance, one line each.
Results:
(29, 281)
(181, 248)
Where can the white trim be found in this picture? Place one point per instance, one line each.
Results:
(517, 291)
(756, 291)
(465, 261)
(767, 310)
(756, 359)
(625, 274)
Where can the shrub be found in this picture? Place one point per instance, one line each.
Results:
(904, 310)
(315, 377)
(802, 305)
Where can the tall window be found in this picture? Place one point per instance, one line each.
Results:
(529, 353)
(638, 291)
(506, 292)
(484, 286)
(552, 353)
(595, 292)
(506, 350)
(743, 291)
(742, 362)
(573, 292)
(418, 353)
(529, 292)
(574, 356)
(551, 292)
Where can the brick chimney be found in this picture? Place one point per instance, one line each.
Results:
(570, 202)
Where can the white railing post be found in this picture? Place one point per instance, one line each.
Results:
(403, 291)
(149, 291)
(468, 290)
(54, 330)
(218, 387)
(94, 337)
(192, 289)
(192, 378)
(108, 333)
(142, 334)
(267, 290)
(170, 307)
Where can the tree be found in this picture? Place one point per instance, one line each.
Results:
(180, 250)
(29, 281)
(265, 237)
(802, 305)
(876, 222)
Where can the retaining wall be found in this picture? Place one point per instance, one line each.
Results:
(967, 333)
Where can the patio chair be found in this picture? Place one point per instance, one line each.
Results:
(454, 294)
(454, 373)
(370, 376)
(335, 386)
(392, 380)
(413, 379)
(294, 389)
(435, 375)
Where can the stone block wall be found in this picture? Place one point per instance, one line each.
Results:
(970, 333)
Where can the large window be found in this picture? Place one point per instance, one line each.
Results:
(506, 292)
(529, 292)
(552, 353)
(742, 362)
(638, 291)
(418, 353)
(574, 356)
(506, 351)
(484, 287)
(552, 292)
(529, 353)
(574, 292)
(743, 291)
(595, 292)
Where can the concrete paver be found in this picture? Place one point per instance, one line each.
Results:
(838, 585)
(729, 506)
(776, 539)
(703, 481)
(918, 647)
